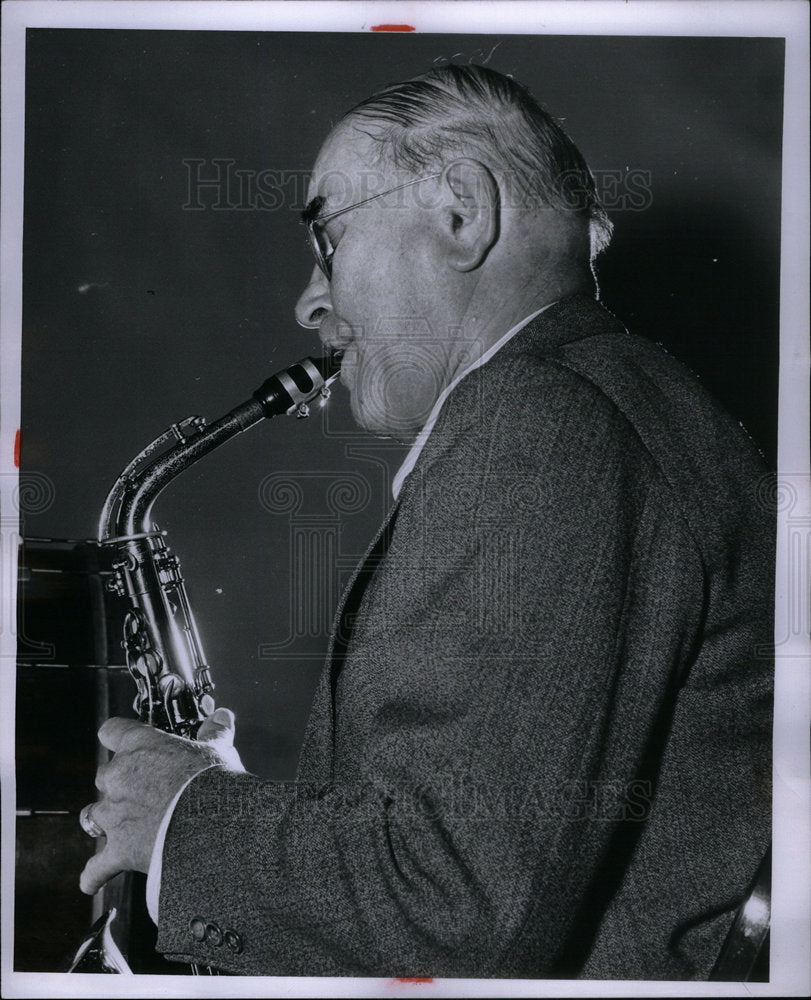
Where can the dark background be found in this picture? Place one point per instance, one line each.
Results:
(138, 312)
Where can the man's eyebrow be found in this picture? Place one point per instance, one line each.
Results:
(313, 209)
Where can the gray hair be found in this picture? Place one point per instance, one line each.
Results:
(477, 112)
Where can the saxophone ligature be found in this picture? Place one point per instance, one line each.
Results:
(163, 649)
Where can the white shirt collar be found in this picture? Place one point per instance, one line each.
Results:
(422, 437)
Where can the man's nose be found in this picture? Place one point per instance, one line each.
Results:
(314, 302)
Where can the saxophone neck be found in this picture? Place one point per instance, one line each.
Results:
(127, 510)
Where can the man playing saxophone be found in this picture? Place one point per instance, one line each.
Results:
(540, 745)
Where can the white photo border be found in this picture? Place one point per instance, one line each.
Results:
(788, 19)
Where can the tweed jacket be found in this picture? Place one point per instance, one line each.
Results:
(540, 745)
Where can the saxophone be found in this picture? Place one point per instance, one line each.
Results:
(161, 641)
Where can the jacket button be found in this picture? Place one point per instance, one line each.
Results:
(197, 928)
(213, 935)
(234, 941)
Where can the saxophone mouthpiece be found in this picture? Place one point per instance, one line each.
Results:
(291, 390)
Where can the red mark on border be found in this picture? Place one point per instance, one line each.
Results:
(414, 979)
(17, 449)
(397, 27)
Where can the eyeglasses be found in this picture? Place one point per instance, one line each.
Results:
(319, 241)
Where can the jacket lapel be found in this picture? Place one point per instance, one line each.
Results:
(318, 752)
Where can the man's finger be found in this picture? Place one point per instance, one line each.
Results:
(102, 771)
(98, 871)
(218, 726)
(123, 734)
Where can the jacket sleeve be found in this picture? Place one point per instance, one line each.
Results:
(511, 669)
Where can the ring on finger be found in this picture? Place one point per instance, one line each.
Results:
(88, 824)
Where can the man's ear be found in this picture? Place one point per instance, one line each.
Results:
(470, 212)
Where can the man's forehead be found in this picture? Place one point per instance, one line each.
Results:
(347, 170)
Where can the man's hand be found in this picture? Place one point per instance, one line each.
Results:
(139, 783)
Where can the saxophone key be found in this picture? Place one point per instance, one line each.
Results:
(147, 664)
(171, 687)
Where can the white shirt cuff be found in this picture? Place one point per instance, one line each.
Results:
(153, 878)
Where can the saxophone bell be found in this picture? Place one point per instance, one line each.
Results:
(99, 952)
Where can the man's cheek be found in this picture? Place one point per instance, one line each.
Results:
(394, 394)
(375, 394)
(349, 363)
